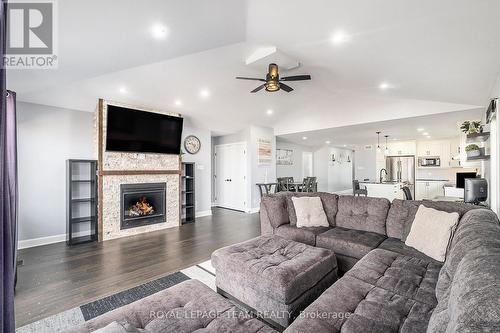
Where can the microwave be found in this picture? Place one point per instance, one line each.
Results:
(429, 162)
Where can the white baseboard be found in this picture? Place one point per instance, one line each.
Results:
(253, 210)
(203, 213)
(26, 243)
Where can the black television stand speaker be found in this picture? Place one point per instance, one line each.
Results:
(188, 199)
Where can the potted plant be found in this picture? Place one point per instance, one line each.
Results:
(471, 127)
(473, 150)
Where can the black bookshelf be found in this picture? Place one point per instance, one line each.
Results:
(188, 208)
(81, 201)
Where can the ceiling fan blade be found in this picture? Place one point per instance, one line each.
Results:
(296, 78)
(258, 88)
(285, 87)
(250, 78)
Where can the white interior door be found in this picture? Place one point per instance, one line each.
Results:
(230, 177)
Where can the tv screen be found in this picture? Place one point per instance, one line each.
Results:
(130, 130)
(461, 176)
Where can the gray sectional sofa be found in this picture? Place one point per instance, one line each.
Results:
(388, 286)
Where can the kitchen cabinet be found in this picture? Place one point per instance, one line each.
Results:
(441, 149)
(402, 148)
(429, 189)
(389, 191)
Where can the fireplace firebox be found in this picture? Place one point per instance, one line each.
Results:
(142, 204)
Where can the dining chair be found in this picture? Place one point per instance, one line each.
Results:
(357, 190)
(309, 184)
(407, 192)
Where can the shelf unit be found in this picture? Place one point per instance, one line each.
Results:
(81, 201)
(188, 208)
(482, 139)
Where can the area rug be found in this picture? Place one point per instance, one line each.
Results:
(72, 317)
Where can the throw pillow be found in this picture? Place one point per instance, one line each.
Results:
(431, 232)
(310, 212)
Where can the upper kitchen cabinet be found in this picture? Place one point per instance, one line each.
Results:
(436, 148)
(397, 148)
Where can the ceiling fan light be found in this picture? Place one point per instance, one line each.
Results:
(272, 86)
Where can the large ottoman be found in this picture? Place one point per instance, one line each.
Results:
(189, 306)
(274, 277)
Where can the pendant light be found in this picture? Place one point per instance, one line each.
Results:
(386, 151)
(378, 142)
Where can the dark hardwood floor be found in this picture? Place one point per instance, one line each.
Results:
(56, 277)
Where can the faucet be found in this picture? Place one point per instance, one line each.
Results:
(382, 177)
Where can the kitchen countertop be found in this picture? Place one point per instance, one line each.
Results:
(431, 180)
(379, 183)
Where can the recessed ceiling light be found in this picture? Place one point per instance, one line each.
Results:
(304, 138)
(123, 90)
(384, 86)
(345, 145)
(269, 112)
(178, 102)
(340, 37)
(159, 31)
(428, 136)
(328, 142)
(204, 93)
(425, 133)
(420, 129)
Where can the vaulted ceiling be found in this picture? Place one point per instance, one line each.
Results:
(433, 56)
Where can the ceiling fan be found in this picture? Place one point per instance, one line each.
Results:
(273, 81)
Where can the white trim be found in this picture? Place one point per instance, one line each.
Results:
(253, 210)
(203, 213)
(27, 243)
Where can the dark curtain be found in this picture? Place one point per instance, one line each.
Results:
(8, 192)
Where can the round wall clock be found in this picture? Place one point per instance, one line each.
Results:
(192, 144)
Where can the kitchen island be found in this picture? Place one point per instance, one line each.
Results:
(388, 190)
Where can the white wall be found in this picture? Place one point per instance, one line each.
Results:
(294, 170)
(260, 172)
(333, 176)
(203, 171)
(255, 173)
(47, 137)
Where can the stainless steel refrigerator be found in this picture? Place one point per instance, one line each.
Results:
(401, 169)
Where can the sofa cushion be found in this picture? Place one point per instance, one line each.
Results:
(186, 307)
(362, 213)
(410, 277)
(303, 235)
(468, 289)
(310, 212)
(431, 232)
(276, 210)
(353, 305)
(349, 242)
(120, 327)
(273, 266)
(400, 218)
(402, 213)
(398, 246)
(328, 200)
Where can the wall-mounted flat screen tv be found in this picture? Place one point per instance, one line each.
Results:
(130, 130)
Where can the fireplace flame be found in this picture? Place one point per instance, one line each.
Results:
(141, 208)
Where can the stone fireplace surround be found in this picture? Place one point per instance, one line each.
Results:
(116, 168)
